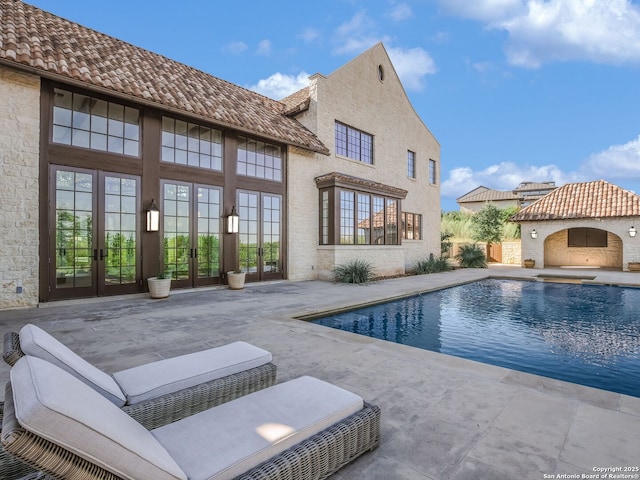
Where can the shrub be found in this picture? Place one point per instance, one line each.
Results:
(471, 256)
(354, 271)
(430, 265)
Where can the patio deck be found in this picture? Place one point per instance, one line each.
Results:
(442, 417)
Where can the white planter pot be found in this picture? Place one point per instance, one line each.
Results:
(159, 287)
(236, 280)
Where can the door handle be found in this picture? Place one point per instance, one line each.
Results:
(95, 254)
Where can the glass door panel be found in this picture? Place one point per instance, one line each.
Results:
(119, 253)
(208, 215)
(74, 224)
(177, 250)
(260, 234)
(270, 233)
(248, 234)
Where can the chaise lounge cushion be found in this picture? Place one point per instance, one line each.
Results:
(170, 375)
(36, 342)
(50, 403)
(223, 442)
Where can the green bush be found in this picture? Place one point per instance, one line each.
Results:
(354, 271)
(472, 256)
(430, 265)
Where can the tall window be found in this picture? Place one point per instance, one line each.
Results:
(411, 226)
(354, 144)
(259, 159)
(432, 172)
(366, 219)
(88, 122)
(411, 164)
(186, 143)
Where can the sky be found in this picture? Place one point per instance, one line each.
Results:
(513, 90)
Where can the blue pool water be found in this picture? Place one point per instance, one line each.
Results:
(584, 334)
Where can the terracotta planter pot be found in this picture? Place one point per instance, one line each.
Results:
(236, 280)
(634, 266)
(529, 263)
(159, 287)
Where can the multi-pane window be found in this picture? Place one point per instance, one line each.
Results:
(347, 215)
(186, 143)
(367, 219)
(259, 159)
(432, 172)
(354, 144)
(88, 122)
(411, 164)
(325, 218)
(411, 226)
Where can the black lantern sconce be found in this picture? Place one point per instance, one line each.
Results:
(632, 231)
(233, 221)
(534, 234)
(153, 217)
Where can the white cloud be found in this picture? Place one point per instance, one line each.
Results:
(504, 176)
(235, 48)
(355, 35)
(358, 34)
(400, 11)
(412, 65)
(264, 48)
(279, 85)
(308, 35)
(616, 162)
(541, 31)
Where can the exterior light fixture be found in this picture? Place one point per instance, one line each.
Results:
(632, 231)
(153, 217)
(233, 221)
(534, 234)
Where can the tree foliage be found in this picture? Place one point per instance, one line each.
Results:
(488, 224)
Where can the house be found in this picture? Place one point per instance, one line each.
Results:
(524, 194)
(590, 224)
(118, 163)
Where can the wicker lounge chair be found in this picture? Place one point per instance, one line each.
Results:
(157, 393)
(303, 429)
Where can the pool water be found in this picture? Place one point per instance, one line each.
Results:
(584, 334)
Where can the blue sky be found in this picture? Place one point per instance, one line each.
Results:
(514, 90)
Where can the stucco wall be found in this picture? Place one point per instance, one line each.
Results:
(355, 96)
(19, 154)
(550, 246)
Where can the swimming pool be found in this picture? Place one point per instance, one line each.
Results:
(584, 334)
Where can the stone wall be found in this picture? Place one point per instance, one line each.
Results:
(355, 96)
(19, 159)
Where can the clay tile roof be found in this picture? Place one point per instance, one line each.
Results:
(56, 48)
(599, 199)
(297, 102)
(489, 196)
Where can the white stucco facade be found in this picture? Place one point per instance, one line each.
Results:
(355, 95)
(19, 156)
(550, 247)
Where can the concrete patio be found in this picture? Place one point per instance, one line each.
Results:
(442, 417)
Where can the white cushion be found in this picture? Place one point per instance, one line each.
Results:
(36, 342)
(225, 441)
(167, 376)
(53, 404)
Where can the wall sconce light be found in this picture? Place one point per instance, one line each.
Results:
(233, 221)
(534, 234)
(632, 231)
(153, 217)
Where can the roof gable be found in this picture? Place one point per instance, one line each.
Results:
(56, 48)
(598, 199)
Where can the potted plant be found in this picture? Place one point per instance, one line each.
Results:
(529, 263)
(160, 285)
(634, 266)
(236, 279)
